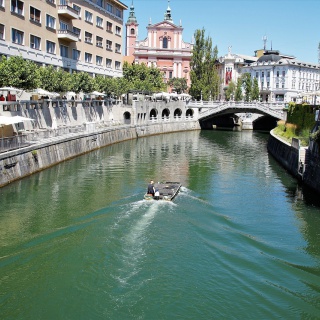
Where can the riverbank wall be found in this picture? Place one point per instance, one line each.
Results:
(302, 162)
(311, 176)
(124, 123)
(285, 153)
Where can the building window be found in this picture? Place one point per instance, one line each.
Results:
(17, 7)
(262, 74)
(75, 54)
(109, 8)
(165, 43)
(88, 57)
(88, 37)
(99, 60)
(35, 42)
(99, 41)
(277, 85)
(99, 22)
(109, 26)
(268, 85)
(51, 47)
(50, 21)
(132, 31)
(170, 74)
(64, 51)
(118, 48)
(99, 3)
(63, 26)
(262, 85)
(1, 32)
(2, 3)
(268, 74)
(88, 16)
(35, 14)
(118, 13)
(77, 8)
(77, 31)
(118, 31)
(17, 36)
(278, 73)
(108, 63)
(282, 85)
(109, 45)
(283, 73)
(117, 65)
(257, 74)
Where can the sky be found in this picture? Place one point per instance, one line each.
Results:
(292, 27)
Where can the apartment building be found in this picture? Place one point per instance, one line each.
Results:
(78, 35)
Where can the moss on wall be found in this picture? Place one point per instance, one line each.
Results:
(302, 115)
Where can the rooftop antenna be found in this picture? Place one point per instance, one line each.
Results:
(271, 45)
(264, 39)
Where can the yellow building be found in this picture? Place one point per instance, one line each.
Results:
(78, 35)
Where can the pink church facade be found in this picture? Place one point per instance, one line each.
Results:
(163, 48)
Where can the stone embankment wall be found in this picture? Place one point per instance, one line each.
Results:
(284, 153)
(311, 175)
(25, 161)
(289, 157)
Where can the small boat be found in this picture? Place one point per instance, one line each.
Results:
(167, 191)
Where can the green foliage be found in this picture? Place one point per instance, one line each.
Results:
(255, 95)
(301, 115)
(178, 84)
(247, 84)
(316, 136)
(141, 77)
(82, 82)
(204, 76)
(18, 72)
(238, 94)
(230, 92)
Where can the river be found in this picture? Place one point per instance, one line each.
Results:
(240, 241)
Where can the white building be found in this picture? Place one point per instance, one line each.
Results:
(283, 78)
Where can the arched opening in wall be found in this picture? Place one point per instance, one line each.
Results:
(189, 113)
(177, 113)
(165, 43)
(132, 31)
(153, 114)
(127, 117)
(165, 113)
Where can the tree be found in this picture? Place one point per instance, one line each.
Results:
(81, 82)
(247, 84)
(48, 78)
(255, 96)
(238, 93)
(178, 84)
(230, 92)
(205, 80)
(141, 77)
(18, 72)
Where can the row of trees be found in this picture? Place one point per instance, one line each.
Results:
(26, 75)
(244, 89)
(205, 80)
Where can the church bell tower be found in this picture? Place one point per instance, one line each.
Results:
(131, 32)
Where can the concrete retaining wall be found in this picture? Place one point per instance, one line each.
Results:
(311, 175)
(22, 162)
(284, 153)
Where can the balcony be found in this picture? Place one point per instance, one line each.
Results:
(68, 12)
(67, 35)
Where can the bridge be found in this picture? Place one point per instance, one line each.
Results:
(208, 109)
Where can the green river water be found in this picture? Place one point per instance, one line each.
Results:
(240, 241)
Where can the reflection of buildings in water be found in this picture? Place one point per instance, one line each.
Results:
(169, 154)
